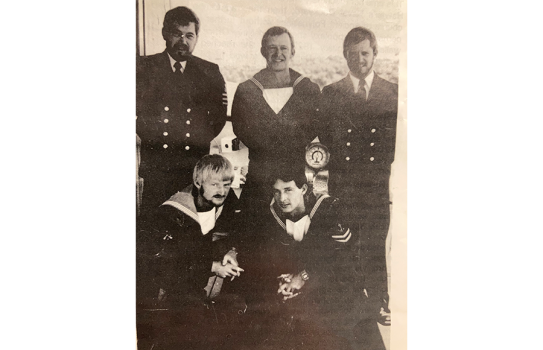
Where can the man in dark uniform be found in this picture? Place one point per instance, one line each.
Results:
(180, 108)
(359, 116)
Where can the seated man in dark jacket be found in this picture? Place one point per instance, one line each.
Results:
(309, 278)
(188, 239)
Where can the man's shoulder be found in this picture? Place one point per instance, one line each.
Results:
(384, 84)
(338, 87)
(205, 66)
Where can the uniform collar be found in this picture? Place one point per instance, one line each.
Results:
(172, 62)
(356, 81)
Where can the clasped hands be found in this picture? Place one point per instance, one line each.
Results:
(289, 285)
(229, 266)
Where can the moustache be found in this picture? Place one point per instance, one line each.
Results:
(218, 196)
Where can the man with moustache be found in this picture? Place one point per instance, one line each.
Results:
(180, 107)
(359, 116)
(191, 237)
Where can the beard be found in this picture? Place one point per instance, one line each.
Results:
(209, 202)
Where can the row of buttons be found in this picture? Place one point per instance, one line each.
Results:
(371, 144)
(165, 133)
(168, 108)
(166, 146)
(167, 121)
(372, 130)
(349, 158)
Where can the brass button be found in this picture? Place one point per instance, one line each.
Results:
(371, 144)
(371, 159)
(165, 146)
(372, 131)
(187, 148)
(349, 130)
(188, 122)
(166, 108)
(165, 133)
(348, 143)
(188, 110)
(187, 134)
(166, 121)
(347, 158)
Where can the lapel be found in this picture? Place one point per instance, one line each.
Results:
(351, 103)
(376, 90)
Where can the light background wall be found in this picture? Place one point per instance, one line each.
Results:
(231, 33)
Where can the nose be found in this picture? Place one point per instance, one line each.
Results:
(221, 190)
(282, 197)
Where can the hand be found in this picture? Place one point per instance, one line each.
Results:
(289, 284)
(242, 179)
(227, 270)
(230, 258)
(245, 170)
(384, 317)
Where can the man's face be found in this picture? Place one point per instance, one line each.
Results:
(180, 40)
(278, 52)
(289, 197)
(213, 190)
(360, 59)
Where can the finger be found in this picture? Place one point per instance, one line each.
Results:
(224, 261)
(291, 296)
(282, 288)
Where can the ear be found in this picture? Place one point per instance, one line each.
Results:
(197, 184)
(164, 33)
(304, 188)
(263, 51)
(292, 52)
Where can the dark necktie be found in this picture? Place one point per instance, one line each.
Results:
(362, 89)
(177, 67)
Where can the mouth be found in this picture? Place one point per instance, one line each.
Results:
(284, 206)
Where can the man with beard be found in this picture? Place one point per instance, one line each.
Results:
(180, 107)
(191, 237)
(359, 126)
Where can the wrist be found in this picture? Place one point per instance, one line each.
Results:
(304, 275)
(215, 266)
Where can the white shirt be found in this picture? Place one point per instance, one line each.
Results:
(207, 220)
(367, 83)
(172, 62)
(299, 228)
(277, 98)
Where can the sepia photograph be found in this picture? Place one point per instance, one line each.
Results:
(270, 174)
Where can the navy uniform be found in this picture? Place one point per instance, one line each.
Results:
(361, 135)
(177, 117)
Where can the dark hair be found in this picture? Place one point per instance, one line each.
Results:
(357, 35)
(276, 31)
(181, 16)
(288, 171)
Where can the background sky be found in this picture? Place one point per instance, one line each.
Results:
(231, 32)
